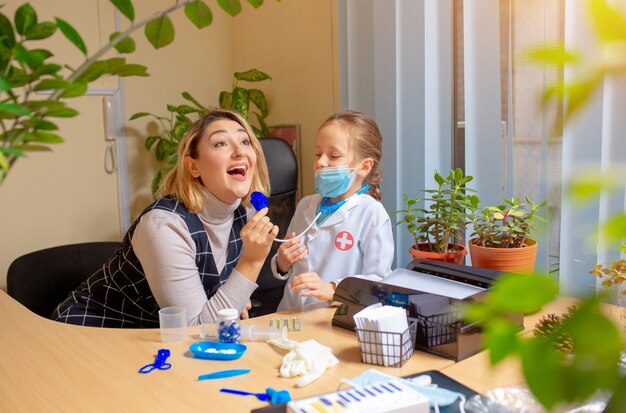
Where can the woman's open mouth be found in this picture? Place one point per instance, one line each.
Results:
(239, 171)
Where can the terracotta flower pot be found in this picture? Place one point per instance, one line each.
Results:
(453, 256)
(517, 260)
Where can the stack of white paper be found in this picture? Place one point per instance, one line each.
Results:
(374, 325)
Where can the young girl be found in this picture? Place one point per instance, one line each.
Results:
(352, 234)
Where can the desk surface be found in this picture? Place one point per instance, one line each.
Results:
(49, 366)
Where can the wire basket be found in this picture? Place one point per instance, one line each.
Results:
(436, 329)
(386, 348)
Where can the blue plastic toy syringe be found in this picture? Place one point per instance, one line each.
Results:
(259, 201)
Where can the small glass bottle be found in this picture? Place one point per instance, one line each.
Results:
(229, 329)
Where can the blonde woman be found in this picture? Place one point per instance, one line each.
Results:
(199, 246)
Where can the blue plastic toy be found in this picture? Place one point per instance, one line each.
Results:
(159, 362)
(258, 200)
(271, 395)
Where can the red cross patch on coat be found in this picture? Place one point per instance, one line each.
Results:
(344, 241)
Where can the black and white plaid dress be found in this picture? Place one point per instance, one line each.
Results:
(118, 294)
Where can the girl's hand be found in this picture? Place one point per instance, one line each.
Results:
(318, 288)
(289, 253)
(257, 237)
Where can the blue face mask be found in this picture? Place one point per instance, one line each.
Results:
(436, 395)
(334, 181)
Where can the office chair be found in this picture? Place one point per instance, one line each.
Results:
(42, 279)
(283, 171)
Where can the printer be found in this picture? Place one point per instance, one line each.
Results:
(432, 293)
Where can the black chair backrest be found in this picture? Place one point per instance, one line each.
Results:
(42, 279)
(283, 170)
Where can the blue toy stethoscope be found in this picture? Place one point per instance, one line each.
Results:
(325, 208)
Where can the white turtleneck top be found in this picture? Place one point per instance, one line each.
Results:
(167, 253)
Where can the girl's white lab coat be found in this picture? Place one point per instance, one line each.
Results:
(355, 240)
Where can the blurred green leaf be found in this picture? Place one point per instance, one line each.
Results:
(160, 32)
(32, 60)
(614, 229)
(608, 21)
(14, 109)
(515, 293)
(6, 28)
(500, 336)
(232, 7)
(4, 162)
(75, 89)
(25, 18)
(126, 8)
(162, 149)
(37, 123)
(71, 34)
(11, 151)
(552, 54)
(132, 70)
(256, 3)
(46, 137)
(4, 84)
(40, 31)
(139, 115)
(541, 367)
(252, 75)
(150, 141)
(199, 14)
(126, 45)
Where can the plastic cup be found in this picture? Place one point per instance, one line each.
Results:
(173, 324)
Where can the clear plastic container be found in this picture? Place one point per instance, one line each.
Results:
(229, 329)
(247, 332)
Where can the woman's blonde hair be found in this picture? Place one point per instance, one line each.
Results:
(367, 142)
(181, 184)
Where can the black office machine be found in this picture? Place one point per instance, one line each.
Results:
(431, 292)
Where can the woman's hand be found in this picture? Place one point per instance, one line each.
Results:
(245, 312)
(318, 288)
(289, 253)
(257, 237)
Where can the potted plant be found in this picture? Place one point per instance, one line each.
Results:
(444, 218)
(500, 240)
(180, 119)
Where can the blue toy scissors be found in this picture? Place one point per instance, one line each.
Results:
(159, 362)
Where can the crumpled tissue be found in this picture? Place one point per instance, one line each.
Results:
(308, 359)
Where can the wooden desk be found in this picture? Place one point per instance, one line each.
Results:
(49, 366)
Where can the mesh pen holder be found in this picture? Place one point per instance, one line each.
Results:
(386, 348)
(436, 329)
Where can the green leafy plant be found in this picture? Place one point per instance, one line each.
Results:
(240, 98)
(27, 122)
(507, 225)
(446, 215)
(180, 118)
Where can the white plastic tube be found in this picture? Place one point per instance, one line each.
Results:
(303, 232)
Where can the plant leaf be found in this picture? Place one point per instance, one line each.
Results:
(75, 89)
(139, 115)
(14, 109)
(241, 100)
(126, 45)
(232, 7)
(25, 18)
(187, 96)
(160, 32)
(515, 293)
(4, 84)
(40, 31)
(126, 8)
(252, 75)
(226, 100)
(71, 34)
(540, 364)
(6, 28)
(45, 137)
(150, 141)
(256, 3)
(552, 54)
(132, 70)
(609, 22)
(258, 98)
(199, 14)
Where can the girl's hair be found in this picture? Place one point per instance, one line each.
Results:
(181, 184)
(367, 142)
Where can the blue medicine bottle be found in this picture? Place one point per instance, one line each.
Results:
(229, 329)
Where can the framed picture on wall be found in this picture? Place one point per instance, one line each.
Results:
(291, 134)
